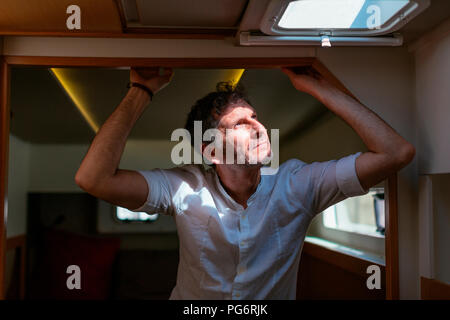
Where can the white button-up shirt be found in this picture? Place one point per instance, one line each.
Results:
(228, 252)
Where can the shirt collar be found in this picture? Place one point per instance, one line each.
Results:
(237, 206)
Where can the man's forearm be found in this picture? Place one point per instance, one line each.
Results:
(103, 156)
(377, 135)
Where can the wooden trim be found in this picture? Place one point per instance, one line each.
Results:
(391, 239)
(68, 34)
(7, 61)
(431, 289)
(4, 144)
(18, 243)
(131, 33)
(341, 260)
(244, 62)
(120, 11)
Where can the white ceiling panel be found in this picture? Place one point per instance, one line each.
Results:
(179, 14)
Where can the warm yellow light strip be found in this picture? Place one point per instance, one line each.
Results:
(70, 90)
(236, 76)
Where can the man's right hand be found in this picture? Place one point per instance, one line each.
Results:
(150, 77)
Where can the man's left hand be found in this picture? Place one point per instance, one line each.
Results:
(306, 79)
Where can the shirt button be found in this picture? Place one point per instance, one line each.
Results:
(237, 295)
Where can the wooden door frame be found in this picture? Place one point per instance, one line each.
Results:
(4, 152)
(6, 62)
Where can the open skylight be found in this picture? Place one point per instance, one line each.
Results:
(348, 14)
(339, 17)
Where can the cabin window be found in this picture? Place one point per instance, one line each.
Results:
(363, 214)
(339, 17)
(125, 215)
(337, 14)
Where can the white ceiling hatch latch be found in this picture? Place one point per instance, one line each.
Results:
(326, 42)
(251, 39)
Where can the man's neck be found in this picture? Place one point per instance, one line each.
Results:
(240, 182)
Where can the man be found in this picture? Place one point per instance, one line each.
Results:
(241, 233)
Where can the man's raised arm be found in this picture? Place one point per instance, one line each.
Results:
(98, 173)
(388, 151)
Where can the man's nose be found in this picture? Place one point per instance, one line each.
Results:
(257, 129)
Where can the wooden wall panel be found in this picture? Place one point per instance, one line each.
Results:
(17, 284)
(391, 239)
(51, 16)
(327, 274)
(4, 144)
(431, 289)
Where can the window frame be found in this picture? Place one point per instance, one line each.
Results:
(114, 213)
(367, 243)
(371, 244)
(374, 234)
(276, 8)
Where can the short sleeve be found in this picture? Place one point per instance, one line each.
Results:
(323, 184)
(346, 176)
(158, 197)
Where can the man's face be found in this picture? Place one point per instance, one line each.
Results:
(244, 137)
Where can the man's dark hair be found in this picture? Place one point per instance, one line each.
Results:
(214, 102)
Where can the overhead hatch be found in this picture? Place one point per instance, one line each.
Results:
(192, 14)
(334, 22)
